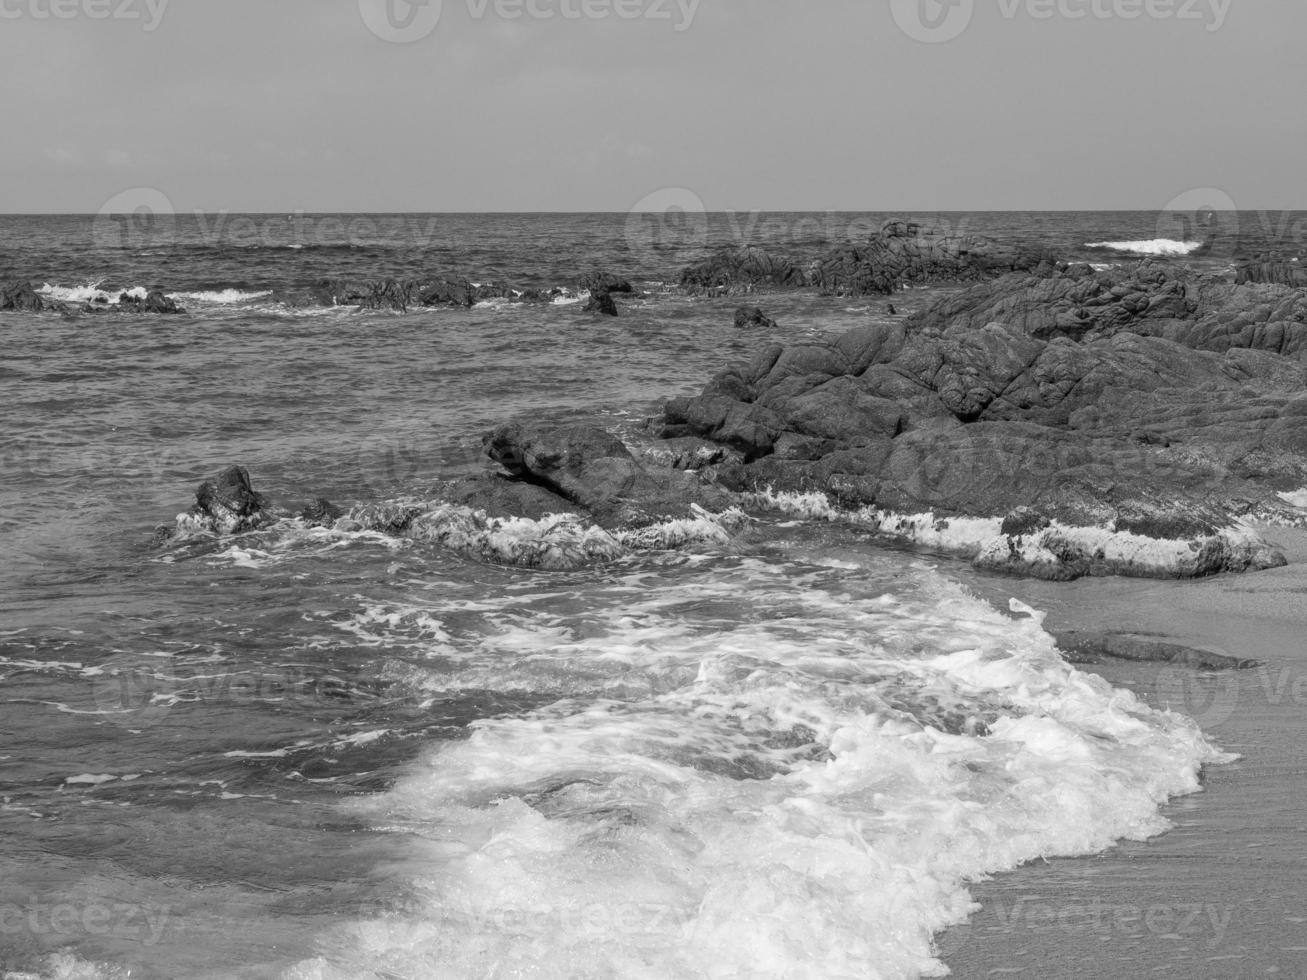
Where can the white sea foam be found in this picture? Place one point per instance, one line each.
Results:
(221, 296)
(751, 768)
(1296, 498)
(90, 293)
(1155, 246)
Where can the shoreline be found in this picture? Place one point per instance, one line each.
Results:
(1223, 894)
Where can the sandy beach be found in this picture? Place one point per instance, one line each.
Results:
(1223, 895)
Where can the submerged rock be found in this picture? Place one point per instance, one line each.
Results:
(228, 504)
(1095, 647)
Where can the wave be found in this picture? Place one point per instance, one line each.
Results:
(1154, 246)
(748, 766)
(221, 296)
(91, 293)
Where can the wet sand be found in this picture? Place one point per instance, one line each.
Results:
(1224, 894)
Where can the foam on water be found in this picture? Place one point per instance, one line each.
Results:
(1154, 246)
(221, 297)
(745, 767)
(90, 293)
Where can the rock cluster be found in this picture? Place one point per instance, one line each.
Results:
(901, 254)
(1117, 424)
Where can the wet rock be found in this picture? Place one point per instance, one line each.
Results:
(605, 282)
(742, 270)
(153, 302)
(321, 513)
(228, 504)
(1104, 424)
(752, 316)
(22, 298)
(602, 303)
(1095, 647)
(596, 472)
(444, 292)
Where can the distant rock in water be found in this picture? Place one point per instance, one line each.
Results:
(1286, 270)
(753, 316)
(605, 282)
(448, 293)
(898, 256)
(1064, 424)
(21, 297)
(154, 302)
(228, 504)
(602, 303)
(741, 270)
(321, 513)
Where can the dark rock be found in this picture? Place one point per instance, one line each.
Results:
(321, 513)
(605, 282)
(752, 316)
(1094, 648)
(21, 297)
(153, 302)
(596, 472)
(742, 270)
(228, 503)
(601, 303)
(447, 293)
(1087, 414)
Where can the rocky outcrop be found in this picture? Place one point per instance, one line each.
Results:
(742, 270)
(22, 298)
(228, 504)
(1061, 425)
(900, 255)
(751, 316)
(605, 282)
(1285, 270)
(903, 255)
(592, 472)
(153, 302)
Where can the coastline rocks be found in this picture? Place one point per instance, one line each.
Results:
(752, 316)
(590, 469)
(228, 504)
(1137, 443)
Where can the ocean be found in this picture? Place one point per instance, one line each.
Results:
(780, 749)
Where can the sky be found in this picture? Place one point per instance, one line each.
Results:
(610, 105)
